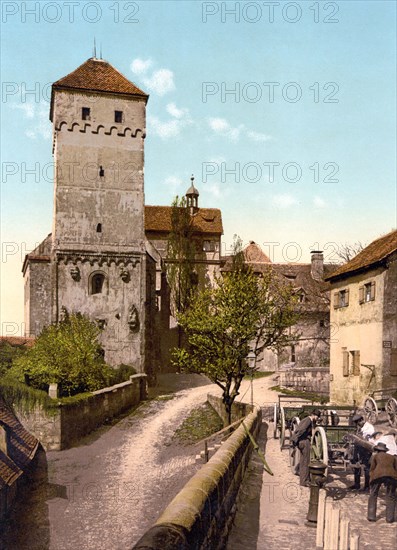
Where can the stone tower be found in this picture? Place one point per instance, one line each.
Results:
(98, 257)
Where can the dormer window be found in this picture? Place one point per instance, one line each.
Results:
(118, 116)
(86, 113)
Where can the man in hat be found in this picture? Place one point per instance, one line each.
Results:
(361, 456)
(302, 439)
(383, 470)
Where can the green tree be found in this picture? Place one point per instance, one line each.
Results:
(242, 312)
(181, 253)
(67, 354)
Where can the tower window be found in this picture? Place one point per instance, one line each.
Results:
(85, 113)
(293, 356)
(99, 228)
(118, 116)
(97, 283)
(101, 172)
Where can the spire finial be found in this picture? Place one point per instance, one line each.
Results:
(192, 179)
(94, 49)
(100, 51)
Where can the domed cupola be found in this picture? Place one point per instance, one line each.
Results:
(192, 196)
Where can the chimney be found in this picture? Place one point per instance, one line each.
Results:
(317, 270)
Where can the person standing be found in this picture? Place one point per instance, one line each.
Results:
(383, 470)
(302, 439)
(361, 456)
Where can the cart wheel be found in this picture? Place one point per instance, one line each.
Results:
(370, 409)
(275, 420)
(282, 427)
(319, 446)
(294, 454)
(391, 409)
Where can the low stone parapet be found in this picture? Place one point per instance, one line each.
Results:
(64, 424)
(313, 379)
(200, 515)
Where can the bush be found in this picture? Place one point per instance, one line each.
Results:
(68, 354)
(121, 374)
(8, 354)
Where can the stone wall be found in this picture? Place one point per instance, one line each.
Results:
(314, 379)
(200, 516)
(239, 410)
(63, 426)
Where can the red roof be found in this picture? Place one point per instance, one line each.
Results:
(21, 446)
(206, 220)
(97, 75)
(372, 255)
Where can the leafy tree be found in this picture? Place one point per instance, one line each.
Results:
(67, 354)
(8, 354)
(243, 312)
(181, 253)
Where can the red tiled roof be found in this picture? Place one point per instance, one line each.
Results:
(21, 446)
(375, 253)
(17, 340)
(206, 220)
(254, 254)
(99, 76)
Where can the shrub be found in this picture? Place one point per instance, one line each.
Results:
(68, 354)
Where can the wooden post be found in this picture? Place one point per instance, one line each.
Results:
(320, 519)
(344, 534)
(327, 524)
(354, 541)
(206, 454)
(334, 531)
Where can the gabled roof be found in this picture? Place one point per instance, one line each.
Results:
(371, 256)
(253, 254)
(206, 220)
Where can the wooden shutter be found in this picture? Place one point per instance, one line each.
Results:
(361, 294)
(347, 298)
(336, 300)
(393, 362)
(373, 290)
(345, 355)
(356, 363)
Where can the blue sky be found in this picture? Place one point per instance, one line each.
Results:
(314, 100)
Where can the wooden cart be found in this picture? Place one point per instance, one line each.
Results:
(381, 400)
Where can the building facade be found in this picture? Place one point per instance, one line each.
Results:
(107, 252)
(364, 315)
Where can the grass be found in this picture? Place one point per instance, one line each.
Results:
(201, 423)
(311, 396)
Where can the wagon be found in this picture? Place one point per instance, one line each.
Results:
(378, 400)
(329, 442)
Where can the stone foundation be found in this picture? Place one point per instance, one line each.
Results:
(315, 379)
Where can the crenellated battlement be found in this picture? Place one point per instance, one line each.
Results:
(86, 127)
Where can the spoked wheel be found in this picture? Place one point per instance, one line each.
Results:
(319, 446)
(275, 420)
(370, 409)
(391, 409)
(294, 454)
(282, 427)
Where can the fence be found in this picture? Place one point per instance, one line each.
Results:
(333, 530)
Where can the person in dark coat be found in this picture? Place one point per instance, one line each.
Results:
(302, 439)
(383, 470)
(361, 456)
